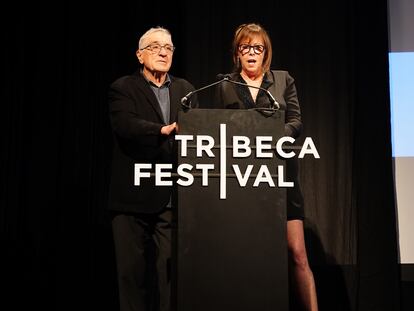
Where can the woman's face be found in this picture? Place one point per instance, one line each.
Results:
(251, 52)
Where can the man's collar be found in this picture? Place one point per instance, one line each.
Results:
(166, 83)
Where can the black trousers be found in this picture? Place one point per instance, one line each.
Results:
(143, 254)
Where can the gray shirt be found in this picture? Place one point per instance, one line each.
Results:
(163, 96)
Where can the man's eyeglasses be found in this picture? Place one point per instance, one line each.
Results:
(155, 48)
(257, 49)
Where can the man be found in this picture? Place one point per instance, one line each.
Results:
(143, 111)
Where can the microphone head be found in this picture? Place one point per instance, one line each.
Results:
(221, 76)
(184, 103)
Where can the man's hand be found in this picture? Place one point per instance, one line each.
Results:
(167, 129)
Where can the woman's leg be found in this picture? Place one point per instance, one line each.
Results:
(302, 276)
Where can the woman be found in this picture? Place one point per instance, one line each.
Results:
(252, 56)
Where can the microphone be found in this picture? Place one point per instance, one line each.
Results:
(227, 77)
(189, 95)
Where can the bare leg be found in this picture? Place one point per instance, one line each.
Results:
(302, 276)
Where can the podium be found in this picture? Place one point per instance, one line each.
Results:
(231, 249)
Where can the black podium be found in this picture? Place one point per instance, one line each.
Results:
(231, 252)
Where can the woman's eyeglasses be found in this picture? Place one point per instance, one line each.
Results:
(257, 49)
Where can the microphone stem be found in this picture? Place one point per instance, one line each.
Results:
(186, 97)
(275, 103)
(207, 86)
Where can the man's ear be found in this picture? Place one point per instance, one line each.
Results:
(139, 56)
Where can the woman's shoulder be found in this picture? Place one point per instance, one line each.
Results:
(281, 75)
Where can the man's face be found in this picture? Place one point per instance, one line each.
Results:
(157, 53)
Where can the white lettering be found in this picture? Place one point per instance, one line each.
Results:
(138, 174)
(206, 148)
(184, 139)
(263, 176)
(280, 178)
(242, 179)
(260, 146)
(241, 147)
(308, 148)
(182, 171)
(204, 172)
(159, 174)
(279, 147)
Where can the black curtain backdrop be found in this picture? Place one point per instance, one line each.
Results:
(57, 63)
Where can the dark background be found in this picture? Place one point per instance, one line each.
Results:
(57, 63)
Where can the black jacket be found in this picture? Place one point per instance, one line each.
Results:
(279, 83)
(136, 121)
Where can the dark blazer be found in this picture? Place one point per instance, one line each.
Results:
(136, 120)
(279, 83)
(282, 86)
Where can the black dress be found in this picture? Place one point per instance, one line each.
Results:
(282, 87)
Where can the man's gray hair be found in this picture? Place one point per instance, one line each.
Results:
(149, 32)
